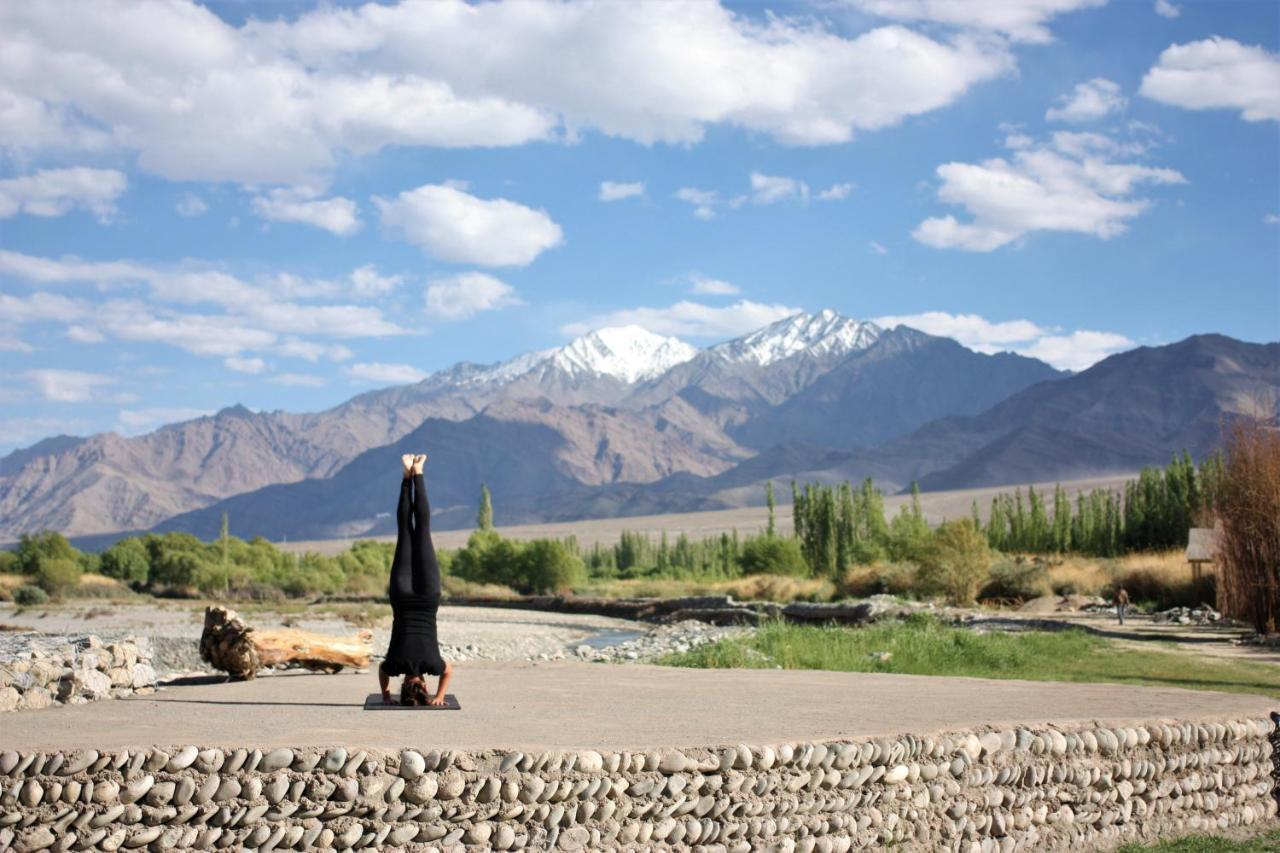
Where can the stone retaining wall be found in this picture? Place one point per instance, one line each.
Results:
(82, 670)
(1042, 788)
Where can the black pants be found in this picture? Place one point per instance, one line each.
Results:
(415, 588)
(414, 570)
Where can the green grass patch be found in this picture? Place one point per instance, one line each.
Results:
(1268, 842)
(921, 645)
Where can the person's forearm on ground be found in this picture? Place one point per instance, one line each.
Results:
(438, 699)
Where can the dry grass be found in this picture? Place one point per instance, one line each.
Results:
(879, 578)
(101, 586)
(1162, 579)
(750, 588)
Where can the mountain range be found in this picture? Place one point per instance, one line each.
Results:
(622, 421)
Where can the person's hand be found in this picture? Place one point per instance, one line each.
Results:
(436, 701)
(386, 698)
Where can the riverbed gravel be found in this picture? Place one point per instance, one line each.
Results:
(468, 633)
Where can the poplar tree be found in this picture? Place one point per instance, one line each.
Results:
(484, 518)
(771, 529)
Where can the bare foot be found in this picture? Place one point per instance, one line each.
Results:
(418, 462)
(407, 462)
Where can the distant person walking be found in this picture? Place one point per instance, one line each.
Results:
(415, 597)
(1122, 603)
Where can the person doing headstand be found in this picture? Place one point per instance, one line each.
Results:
(415, 597)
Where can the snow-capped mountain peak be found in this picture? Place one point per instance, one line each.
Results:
(629, 353)
(626, 353)
(826, 333)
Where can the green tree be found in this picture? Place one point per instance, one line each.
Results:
(547, 566)
(33, 548)
(908, 531)
(58, 576)
(771, 529)
(484, 518)
(772, 555)
(127, 561)
(956, 562)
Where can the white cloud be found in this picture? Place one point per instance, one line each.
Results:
(366, 281)
(137, 421)
(282, 101)
(1072, 351)
(769, 189)
(878, 248)
(1165, 9)
(1093, 99)
(311, 351)
(191, 205)
(85, 334)
(611, 191)
(1217, 73)
(711, 286)
(299, 380)
(384, 374)
(336, 215)
(1271, 219)
(40, 307)
(691, 319)
(837, 192)
(1078, 350)
(704, 201)
(972, 330)
(458, 297)
(18, 432)
(1020, 20)
(245, 365)
(200, 334)
(12, 344)
(460, 228)
(67, 386)
(254, 317)
(1069, 184)
(56, 192)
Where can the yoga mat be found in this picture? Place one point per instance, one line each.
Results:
(373, 702)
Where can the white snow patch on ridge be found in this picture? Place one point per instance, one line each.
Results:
(627, 353)
(824, 333)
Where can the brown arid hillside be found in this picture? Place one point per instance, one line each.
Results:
(628, 408)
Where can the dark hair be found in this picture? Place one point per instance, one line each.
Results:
(413, 691)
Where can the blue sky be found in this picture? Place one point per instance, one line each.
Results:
(282, 205)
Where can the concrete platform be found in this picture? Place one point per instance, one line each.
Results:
(604, 707)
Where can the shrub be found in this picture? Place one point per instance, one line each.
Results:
(1248, 508)
(956, 561)
(878, 579)
(547, 566)
(779, 588)
(29, 596)
(773, 555)
(9, 563)
(126, 561)
(1021, 581)
(58, 576)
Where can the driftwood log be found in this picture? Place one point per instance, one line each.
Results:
(229, 644)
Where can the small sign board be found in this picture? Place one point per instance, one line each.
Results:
(373, 702)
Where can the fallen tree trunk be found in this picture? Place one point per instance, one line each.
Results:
(229, 644)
